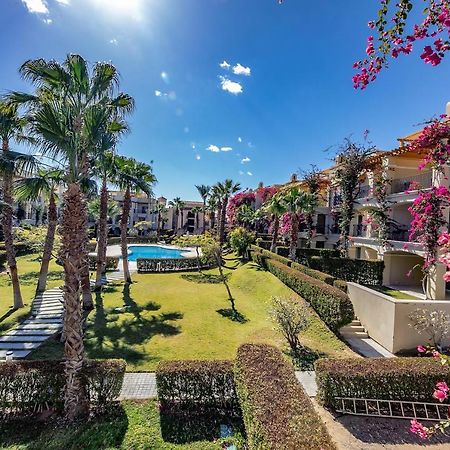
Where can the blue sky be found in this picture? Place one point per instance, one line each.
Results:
(297, 101)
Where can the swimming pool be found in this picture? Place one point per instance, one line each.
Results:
(154, 251)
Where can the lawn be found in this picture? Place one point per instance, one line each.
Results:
(394, 293)
(173, 316)
(28, 267)
(132, 425)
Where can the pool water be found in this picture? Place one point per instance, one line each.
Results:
(153, 251)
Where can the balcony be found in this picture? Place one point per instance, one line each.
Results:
(333, 229)
(359, 230)
(398, 234)
(422, 180)
(364, 191)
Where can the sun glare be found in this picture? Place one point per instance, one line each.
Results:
(131, 9)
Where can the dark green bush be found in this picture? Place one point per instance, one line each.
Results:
(269, 254)
(256, 256)
(331, 304)
(2, 259)
(313, 273)
(191, 386)
(30, 386)
(367, 272)
(278, 415)
(112, 262)
(412, 379)
(115, 240)
(340, 284)
(147, 265)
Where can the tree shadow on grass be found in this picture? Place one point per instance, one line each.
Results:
(5, 326)
(254, 266)
(120, 332)
(102, 432)
(235, 316)
(32, 277)
(304, 358)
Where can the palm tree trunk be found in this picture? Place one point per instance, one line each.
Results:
(48, 245)
(102, 235)
(276, 226)
(158, 226)
(88, 302)
(204, 216)
(223, 214)
(73, 254)
(123, 234)
(7, 225)
(294, 237)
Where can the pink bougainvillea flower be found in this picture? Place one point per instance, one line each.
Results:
(444, 238)
(419, 429)
(435, 354)
(447, 276)
(442, 386)
(440, 395)
(421, 349)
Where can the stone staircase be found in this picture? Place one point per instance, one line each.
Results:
(354, 330)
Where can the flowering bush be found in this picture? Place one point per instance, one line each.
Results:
(235, 202)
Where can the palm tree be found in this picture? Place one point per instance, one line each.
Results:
(130, 175)
(296, 202)
(196, 210)
(275, 208)
(12, 127)
(72, 108)
(204, 191)
(212, 207)
(177, 204)
(225, 190)
(44, 184)
(160, 211)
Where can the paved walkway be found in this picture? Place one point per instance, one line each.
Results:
(44, 321)
(142, 385)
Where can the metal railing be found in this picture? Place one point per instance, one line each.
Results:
(394, 409)
(398, 234)
(364, 191)
(333, 229)
(359, 230)
(422, 180)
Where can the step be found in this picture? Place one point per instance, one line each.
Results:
(26, 332)
(354, 334)
(38, 326)
(57, 321)
(17, 354)
(19, 345)
(349, 328)
(44, 310)
(21, 338)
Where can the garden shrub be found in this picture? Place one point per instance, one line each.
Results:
(340, 284)
(269, 254)
(366, 272)
(193, 386)
(30, 386)
(116, 240)
(331, 304)
(240, 240)
(412, 379)
(328, 279)
(148, 265)
(277, 413)
(112, 262)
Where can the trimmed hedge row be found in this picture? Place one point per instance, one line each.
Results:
(30, 386)
(116, 240)
(148, 265)
(278, 415)
(367, 272)
(328, 279)
(191, 386)
(331, 304)
(412, 379)
(112, 262)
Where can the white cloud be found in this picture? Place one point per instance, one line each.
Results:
(198, 157)
(48, 21)
(158, 93)
(245, 160)
(239, 139)
(232, 87)
(226, 149)
(165, 77)
(63, 2)
(241, 172)
(114, 41)
(239, 69)
(120, 9)
(36, 6)
(213, 148)
(249, 174)
(224, 65)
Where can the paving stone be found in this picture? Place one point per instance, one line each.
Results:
(138, 386)
(17, 354)
(308, 380)
(23, 338)
(37, 326)
(18, 345)
(26, 332)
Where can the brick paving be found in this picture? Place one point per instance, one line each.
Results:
(138, 386)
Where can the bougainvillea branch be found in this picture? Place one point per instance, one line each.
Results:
(395, 34)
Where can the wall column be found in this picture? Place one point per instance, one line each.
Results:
(436, 283)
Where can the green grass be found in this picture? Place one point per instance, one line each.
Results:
(131, 426)
(394, 293)
(166, 316)
(28, 267)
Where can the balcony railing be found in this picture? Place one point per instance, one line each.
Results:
(359, 230)
(422, 180)
(364, 191)
(398, 234)
(333, 229)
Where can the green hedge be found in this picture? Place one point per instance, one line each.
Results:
(367, 272)
(340, 284)
(30, 386)
(331, 304)
(277, 413)
(112, 262)
(269, 254)
(412, 379)
(191, 386)
(116, 240)
(307, 253)
(328, 279)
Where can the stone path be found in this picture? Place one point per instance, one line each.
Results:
(139, 386)
(44, 321)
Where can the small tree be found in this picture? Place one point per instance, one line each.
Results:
(240, 240)
(435, 324)
(203, 242)
(291, 318)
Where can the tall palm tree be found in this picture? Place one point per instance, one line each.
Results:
(45, 183)
(225, 190)
(130, 175)
(160, 211)
(296, 202)
(275, 208)
(177, 204)
(212, 207)
(196, 210)
(204, 191)
(69, 113)
(12, 127)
